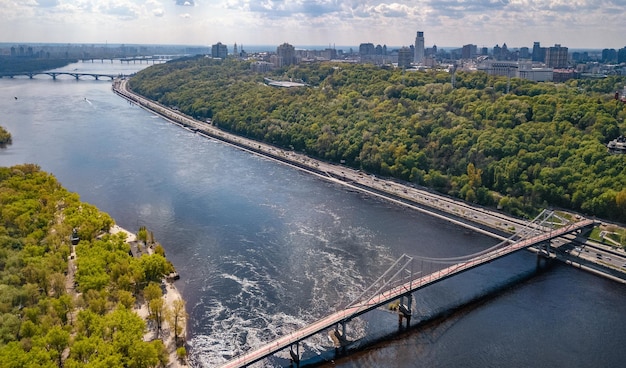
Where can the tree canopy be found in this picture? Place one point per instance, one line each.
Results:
(542, 144)
(10, 65)
(45, 321)
(5, 136)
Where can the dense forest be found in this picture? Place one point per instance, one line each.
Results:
(46, 320)
(539, 145)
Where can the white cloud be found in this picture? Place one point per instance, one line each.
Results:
(393, 10)
(121, 9)
(47, 3)
(573, 23)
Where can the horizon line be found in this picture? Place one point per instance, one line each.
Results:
(250, 45)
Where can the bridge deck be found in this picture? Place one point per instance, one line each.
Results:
(391, 295)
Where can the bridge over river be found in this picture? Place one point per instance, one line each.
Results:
(54, 75)
(398, 283)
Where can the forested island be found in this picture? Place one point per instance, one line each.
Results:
(68, 287)
(5, 137)
(540, 145)
(27, 65)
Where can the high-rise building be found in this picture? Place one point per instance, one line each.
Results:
(621, 55)
(497, 52)
(287, 53)
(219, 50)
(404, 57)
(580, 57)
(366, 49)
(609, 55)
(468, 51)
(556, 57)
(419, 48)
(524, 53)
(539, 53)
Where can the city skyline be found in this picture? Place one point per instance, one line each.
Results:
(486, 23)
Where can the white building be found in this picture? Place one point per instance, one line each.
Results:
(526, 71)
(517, 69)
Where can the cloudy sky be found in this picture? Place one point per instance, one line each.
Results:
(572, 23)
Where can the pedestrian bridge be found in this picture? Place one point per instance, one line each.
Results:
(401, 280)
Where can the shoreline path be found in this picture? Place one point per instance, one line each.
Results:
(475, 218)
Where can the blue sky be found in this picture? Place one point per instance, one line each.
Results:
(572, 23)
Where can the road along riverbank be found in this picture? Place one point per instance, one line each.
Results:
(474, 218)
(478, 219)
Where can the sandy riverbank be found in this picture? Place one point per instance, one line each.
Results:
(170, 295)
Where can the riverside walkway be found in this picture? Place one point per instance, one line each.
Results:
(404, 289)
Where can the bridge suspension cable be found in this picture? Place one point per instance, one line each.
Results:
(394, 275)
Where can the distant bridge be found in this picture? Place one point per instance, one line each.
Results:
(77, 76)
(134, 59)
(398, 283)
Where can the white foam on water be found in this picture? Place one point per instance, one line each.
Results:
(272, 289)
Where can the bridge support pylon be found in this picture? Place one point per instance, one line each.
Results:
(295, 355)
(544, 254)
(404, 310)
(338, 338)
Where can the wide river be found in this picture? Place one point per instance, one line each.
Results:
(262, 248)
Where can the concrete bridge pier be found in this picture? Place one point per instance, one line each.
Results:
(339, 338)
(544, 251)
(404, 310)
(295, 355)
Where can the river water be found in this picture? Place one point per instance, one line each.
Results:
(262, 248)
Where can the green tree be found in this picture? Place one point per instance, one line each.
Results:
(155, 267)
(177, 317)
(152, 291)
(5, 137)
(57, 340)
